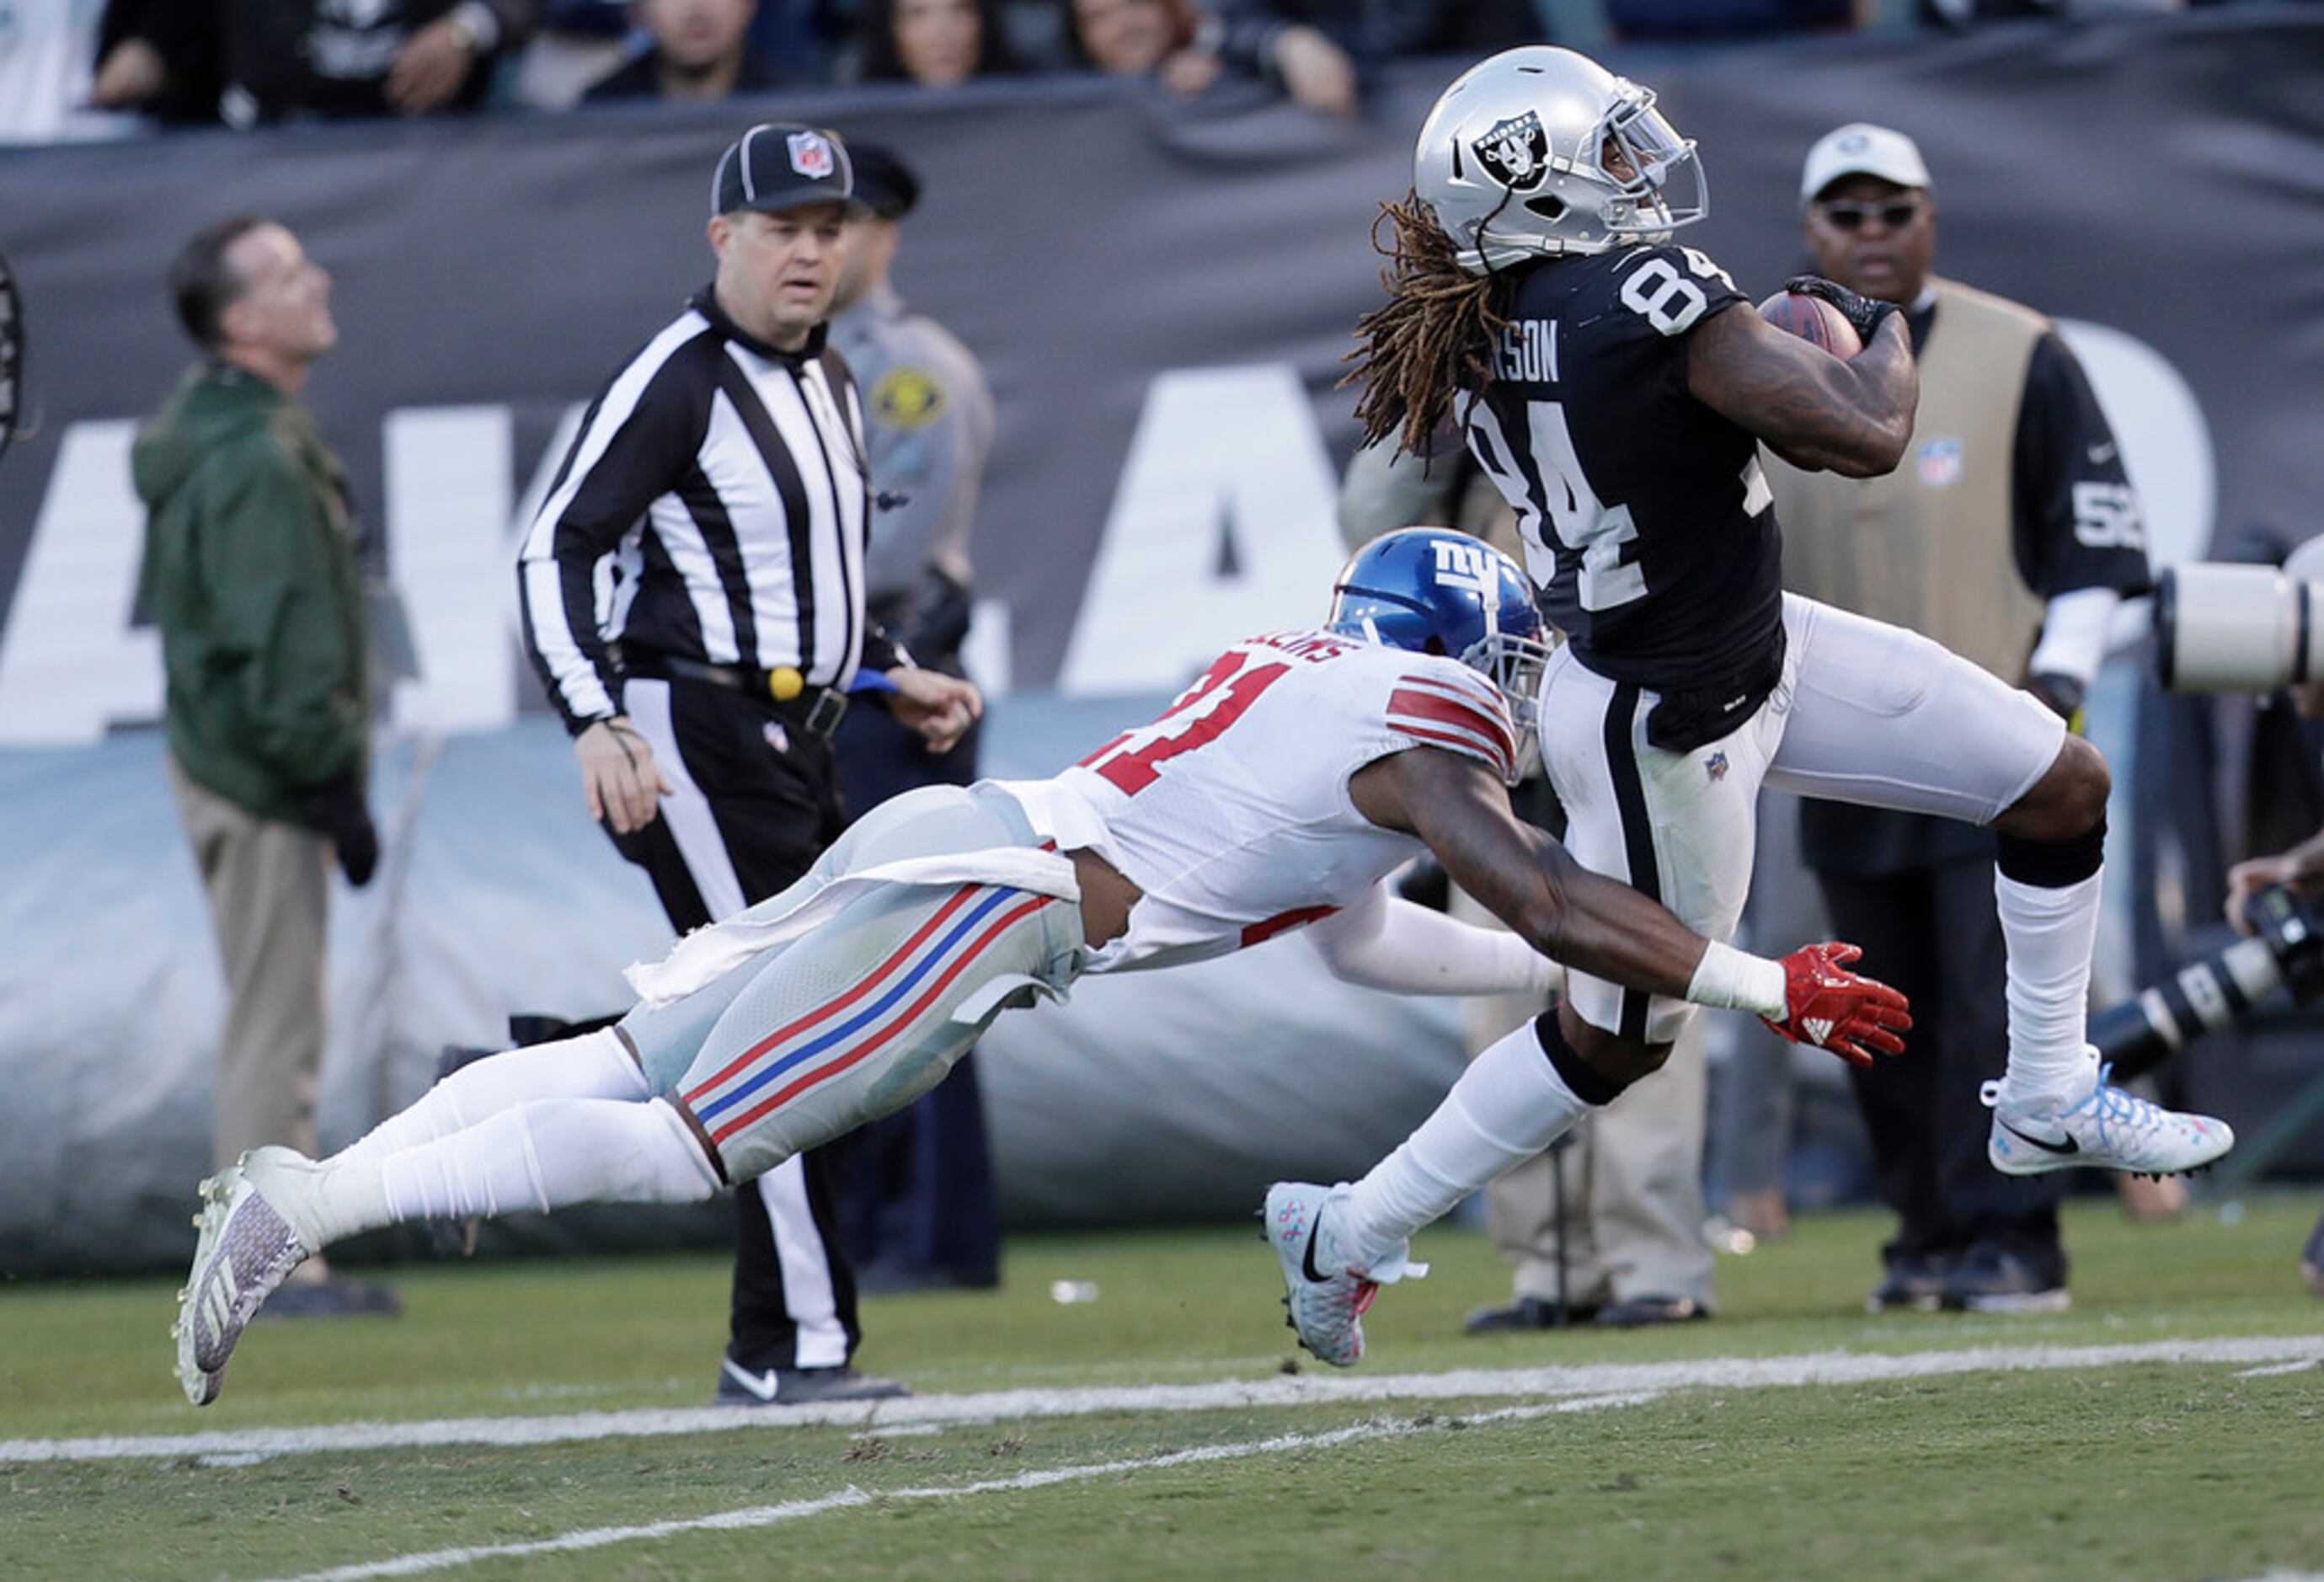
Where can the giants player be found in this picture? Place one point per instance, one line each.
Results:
(1607, 382)
(1276, 793)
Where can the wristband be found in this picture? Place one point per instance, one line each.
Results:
(1735, 980)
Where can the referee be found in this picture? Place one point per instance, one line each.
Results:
(692, 594)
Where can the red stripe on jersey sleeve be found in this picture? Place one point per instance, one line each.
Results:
(1410, 709)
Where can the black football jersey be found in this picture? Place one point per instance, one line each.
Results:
(1645, 519)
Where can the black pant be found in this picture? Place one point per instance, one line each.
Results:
(917, 1204)
(1933, 933)
(757, 802)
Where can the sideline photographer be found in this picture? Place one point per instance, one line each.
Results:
(2241, 629)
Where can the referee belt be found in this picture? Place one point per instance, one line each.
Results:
(816, 709)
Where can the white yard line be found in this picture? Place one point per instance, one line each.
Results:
(757, 1516)
(1309, 1388)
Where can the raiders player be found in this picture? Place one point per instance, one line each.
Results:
(1276, 793)
(1609, 383)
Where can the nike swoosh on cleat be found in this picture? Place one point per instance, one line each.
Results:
(1307, 1259)
(2068, 1146)
(766, 1386)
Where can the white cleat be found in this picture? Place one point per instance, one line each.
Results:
(1326, 1310)
(245, 1250)
(2108, 1130)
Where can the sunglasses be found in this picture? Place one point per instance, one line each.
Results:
(1850, 217)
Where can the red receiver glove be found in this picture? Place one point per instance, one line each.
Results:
(1833, 1009)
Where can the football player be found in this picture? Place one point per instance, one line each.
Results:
(1276, 793)
(1606, 379)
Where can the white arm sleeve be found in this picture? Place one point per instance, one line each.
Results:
(1386, 942)
(2074, 630)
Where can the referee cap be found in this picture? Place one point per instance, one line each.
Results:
(1861, 149)
(781, 164)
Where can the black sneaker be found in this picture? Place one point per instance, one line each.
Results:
(1638, 1312)
(1529, 1312)
(1915, 1281)
(741, 1386)
(1992, 1278)
(2311, 1259)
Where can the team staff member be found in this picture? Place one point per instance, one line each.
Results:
(2010, 514)
(721, 472)
(917, 1206)
(250, 573)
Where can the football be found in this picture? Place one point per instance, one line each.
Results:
(1813, 319)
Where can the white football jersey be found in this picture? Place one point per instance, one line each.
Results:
(1231, 812)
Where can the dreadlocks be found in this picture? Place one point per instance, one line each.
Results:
(1432, 336)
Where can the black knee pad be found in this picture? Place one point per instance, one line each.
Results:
(1588, 1084)
(2054, 865)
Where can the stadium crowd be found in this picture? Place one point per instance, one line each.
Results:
(111, 67)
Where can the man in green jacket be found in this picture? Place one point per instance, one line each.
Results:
(250, 573)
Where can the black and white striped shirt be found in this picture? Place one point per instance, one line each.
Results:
(713, 506)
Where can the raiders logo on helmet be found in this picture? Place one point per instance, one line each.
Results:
(1517, 152)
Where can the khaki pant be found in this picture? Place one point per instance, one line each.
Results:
(269, 892)
(1633, 1180)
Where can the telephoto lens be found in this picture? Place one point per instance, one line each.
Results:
(2222, 628)
(2286, 950)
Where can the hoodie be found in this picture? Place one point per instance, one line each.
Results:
(250, 573)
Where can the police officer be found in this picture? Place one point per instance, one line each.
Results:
(722, 471)
(2010, 515)
(916, 1199)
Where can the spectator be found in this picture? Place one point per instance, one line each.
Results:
(1189, 51)
(935, 44)
(330, 59)
(2010, 517)
(250, 573)
(161, 58)
(918, 1202)
(1373, 32)
(701, 50)
(1675, 20)
(46, 51)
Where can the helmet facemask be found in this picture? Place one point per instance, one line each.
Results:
(1641, 208)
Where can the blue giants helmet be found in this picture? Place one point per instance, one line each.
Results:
(1432, 590)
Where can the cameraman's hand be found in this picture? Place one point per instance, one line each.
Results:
(620, 779)
(2301, 868)
(339, 812)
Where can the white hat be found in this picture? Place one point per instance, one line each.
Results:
(1861, 149)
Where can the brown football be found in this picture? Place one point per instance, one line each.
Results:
(1813, 319)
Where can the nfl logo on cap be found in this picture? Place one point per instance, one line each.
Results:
(811, 154)
(781, 164)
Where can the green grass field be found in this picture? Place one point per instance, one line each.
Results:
(1909, 1447)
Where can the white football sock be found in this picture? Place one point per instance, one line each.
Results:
(1508, 1105)
(545, 1155)
(596, 1065)
(2049, 934)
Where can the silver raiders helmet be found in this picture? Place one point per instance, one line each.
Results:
(1540, 152)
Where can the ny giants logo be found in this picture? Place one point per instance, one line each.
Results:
(1466, 567)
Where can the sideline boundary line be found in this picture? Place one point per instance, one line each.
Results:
(244, 1446)
(850, 1498)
